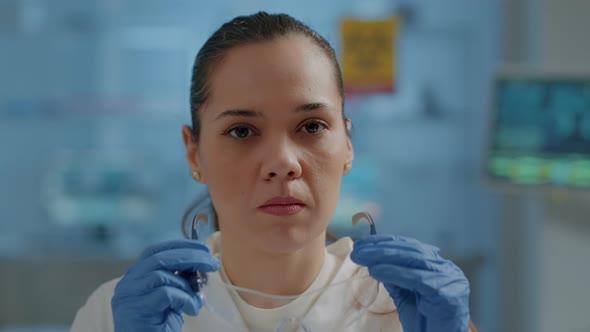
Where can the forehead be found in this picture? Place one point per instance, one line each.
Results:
(283, 70)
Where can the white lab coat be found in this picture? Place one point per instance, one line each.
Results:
(96, 314)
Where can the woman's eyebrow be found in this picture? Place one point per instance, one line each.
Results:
(254, 114)
(313, 107)
(241, 113)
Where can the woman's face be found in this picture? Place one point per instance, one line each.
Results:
(273, 143)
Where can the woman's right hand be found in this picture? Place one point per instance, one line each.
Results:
(151, 297)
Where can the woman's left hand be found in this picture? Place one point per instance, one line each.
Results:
(431, 293)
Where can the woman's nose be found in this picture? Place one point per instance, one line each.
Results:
(281, 162)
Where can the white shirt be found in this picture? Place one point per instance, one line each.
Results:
(258, 319)
(317, 310)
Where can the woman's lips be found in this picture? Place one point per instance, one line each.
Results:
(282, 206)
(282, 210)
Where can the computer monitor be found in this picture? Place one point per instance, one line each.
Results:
(539, 130)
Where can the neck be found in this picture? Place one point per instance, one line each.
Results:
(248, 266)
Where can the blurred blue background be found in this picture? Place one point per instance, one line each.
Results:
(93, 95)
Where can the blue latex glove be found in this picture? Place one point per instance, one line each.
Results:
(431, 293)
(151, 297)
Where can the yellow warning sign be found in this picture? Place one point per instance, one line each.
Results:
(368, 55)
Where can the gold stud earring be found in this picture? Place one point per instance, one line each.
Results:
(196, 175)
(347, 168)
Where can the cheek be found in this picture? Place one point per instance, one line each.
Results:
(325, 171)
(230, 191)
(329, 158)
(229, 176)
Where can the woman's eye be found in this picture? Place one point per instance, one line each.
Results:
(239, 132)
(314, 127)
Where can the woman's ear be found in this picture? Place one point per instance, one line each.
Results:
(192, 152)
(349, 148)
(348, 126)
